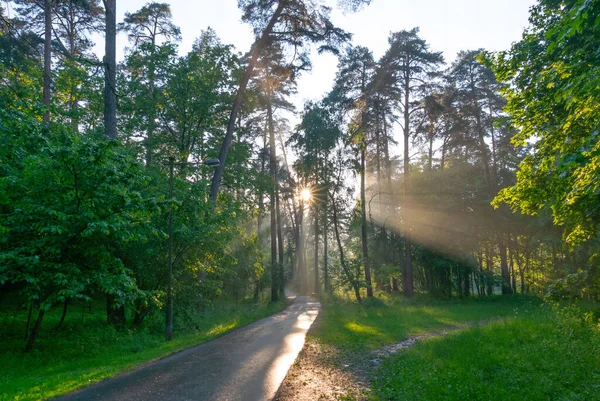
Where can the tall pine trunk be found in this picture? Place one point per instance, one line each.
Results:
(365, 247)
(351, 279)
(489, 265)
(280, 244)
(255, 51)
(506, 286)
(302, 273)
(363, 198)
(47, 59)
(408, 268)
(273, 190)
(325, 248)
(316, 232)
(110, 70)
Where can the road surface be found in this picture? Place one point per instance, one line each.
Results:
(248, 364)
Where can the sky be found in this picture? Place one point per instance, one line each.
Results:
(447, 25)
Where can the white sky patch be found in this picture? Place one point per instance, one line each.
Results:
(448, 25)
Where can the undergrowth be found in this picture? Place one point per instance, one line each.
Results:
(86, 349)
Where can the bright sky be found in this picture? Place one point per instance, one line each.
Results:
(448, 25)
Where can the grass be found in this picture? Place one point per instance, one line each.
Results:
(539, 355)
(83, 353)
(389, 319)
(534, 352)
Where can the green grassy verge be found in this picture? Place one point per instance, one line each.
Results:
(534, 352)
(390, 319)
(81, 353)
(539, 355)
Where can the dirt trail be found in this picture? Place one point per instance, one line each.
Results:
(323, 373)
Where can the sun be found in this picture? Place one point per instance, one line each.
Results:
(305, 194)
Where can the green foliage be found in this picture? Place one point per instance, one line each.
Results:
(583, 283)
(86, 350)
(67, 201)
(81, 216)
(552, 100)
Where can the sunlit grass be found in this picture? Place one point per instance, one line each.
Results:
(85, 352)
(536, 355)
(362, 329)
(389, 319)
(521, 349)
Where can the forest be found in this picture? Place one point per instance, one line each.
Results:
(145, 195)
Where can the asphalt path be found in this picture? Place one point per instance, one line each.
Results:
(248, 364)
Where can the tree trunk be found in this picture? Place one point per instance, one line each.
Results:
(430, 154)
(73, 104)
(149, 142)
(64, 314)
(511, 268)
(257, 291)
(28, 320)
(365, 247)
(255, 51)
(506, 287)
(482, 145)
(527, 255)
(391, 203)
(47, 59)
(353, 282)
(378, 151)
(325, 249)
(493, 134)
(261, 194)
(489, 263)
(114, 316)
(443, 158)
(295, 233)
(280, 243)
(303, 278)
(316, 231)
(408, 268)
(293, 213)
(35, 331)
(110, 71)
(479, 273)
(273, 191)
(388, 164)
(363, 200)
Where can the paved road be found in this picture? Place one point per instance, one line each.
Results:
(245, 365)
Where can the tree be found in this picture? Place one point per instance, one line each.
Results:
(552, 73)
(73, 21)
(196, 91)
(411, 62)
(273, 82)
(316, 137)
(476, 85)
(40, 14)
(110, 70)
(355, 71)
(293, 23)
(67, 202)
(146, 28)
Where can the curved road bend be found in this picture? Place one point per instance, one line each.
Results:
(248, 364)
